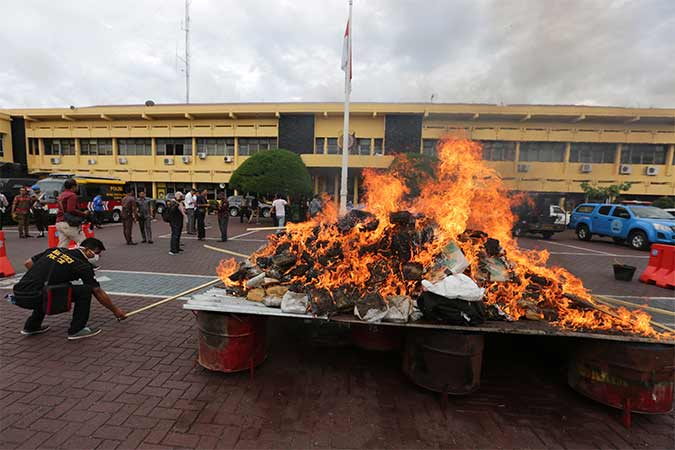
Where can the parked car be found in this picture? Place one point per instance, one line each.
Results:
(533, 221)
(670, 211)
(235, 205)
(10, 186)
(639, 226)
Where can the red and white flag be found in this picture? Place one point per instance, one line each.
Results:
(347, 51)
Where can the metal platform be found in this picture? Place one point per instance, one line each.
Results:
(217, 301)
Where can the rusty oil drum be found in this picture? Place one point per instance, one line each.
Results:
(379, 338)
(614, 373)
(444, 362)
(231, 342)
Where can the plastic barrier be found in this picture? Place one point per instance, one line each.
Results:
(661, 268)
(6, 269)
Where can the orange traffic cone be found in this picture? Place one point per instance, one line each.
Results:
(6, 269)
(52, 238)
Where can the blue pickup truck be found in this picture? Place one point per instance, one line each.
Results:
(639, 226)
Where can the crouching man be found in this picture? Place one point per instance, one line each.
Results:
(56, 268)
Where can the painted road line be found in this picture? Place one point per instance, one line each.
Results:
(637, 297)
(579, 248)
(243, 234)
(598, 254)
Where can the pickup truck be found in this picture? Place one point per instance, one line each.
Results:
(639, 226)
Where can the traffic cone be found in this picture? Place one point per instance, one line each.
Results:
(6, 269)
(52, 238)
(88, 230)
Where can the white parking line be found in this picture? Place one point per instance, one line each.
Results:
(599, 254)
(155, 273)
(579, 248)
(638, 297)
(243, 234)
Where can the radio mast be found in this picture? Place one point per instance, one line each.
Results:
(187, 51)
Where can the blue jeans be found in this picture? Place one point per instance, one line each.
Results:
(281, 221)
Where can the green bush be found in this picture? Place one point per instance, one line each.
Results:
(273, 171)
(664, 202)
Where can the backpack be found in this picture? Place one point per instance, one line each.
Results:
(169, 211)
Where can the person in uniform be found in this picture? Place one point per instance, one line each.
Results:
(176, 214)
(129, 215)
(21, 210)
(223, 215)
(40, 211)
(202, 205)
(146, 212)
(59, 266)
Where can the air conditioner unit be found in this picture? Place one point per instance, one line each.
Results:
(586, 168)
(652, 171)
(122, 160)
(187, 159)
(229, 159)
(91, 162)
(625, 169)
(201, 155)
(168, 161)
(523, 167)
(55, 160)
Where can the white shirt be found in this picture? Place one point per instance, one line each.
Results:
(278, 206)
(189, 201)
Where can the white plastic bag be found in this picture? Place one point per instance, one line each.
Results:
(455, 286)
(294, 303)
(400, 308)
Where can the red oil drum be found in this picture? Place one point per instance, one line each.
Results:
(443, 361)
(625, 373)
(231, 342)
(381, 338)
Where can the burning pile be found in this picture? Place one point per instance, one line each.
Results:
(379, 261)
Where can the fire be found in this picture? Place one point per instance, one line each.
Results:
(461, 195)
(226, 268)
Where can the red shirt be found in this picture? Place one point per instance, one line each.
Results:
(69, 201)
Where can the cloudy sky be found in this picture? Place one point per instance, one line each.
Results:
(84, 52)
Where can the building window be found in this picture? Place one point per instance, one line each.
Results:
(251, 146)
(59, 146)
(94, 147)
(542, 151)
(318, 145)
(134, 147)
(174, 146)
(378, 148)
(216, 146)
(362, 146)
(429, 147)
(592, 153)
(499, 151)
(2, 145)
(643, 154)
(33, 146)
(332, 146)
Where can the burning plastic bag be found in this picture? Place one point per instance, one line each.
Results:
(456, 286)
(294, 303)
(400, 309)
(451, 311)
(371, 308)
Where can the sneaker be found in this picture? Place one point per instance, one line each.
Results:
(172, 253)
(42, 329)
(151, 242)
(84, 333)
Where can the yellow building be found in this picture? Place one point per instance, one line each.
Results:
(549, 149)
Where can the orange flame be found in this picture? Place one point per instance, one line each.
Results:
(463, 194)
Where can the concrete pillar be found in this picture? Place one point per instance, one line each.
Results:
(153, 146)
(617, 158)
(115, 150)
(316, 184)
(154, 189)
(77, 147)
(336, 191)
(355, 201)
(566, 159)
(670, 154)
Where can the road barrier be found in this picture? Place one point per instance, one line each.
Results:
(6, 269)
(661, 267)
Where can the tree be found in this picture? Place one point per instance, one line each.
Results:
(273, 171)
(414, 169)
(605, 194)
(664, 202)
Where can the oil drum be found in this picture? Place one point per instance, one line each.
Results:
(381, 338)
(443, 361)
(619, 373)
(231, 342)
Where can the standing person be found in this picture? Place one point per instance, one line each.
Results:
(21, 210)
(129, 215)
(99, 210)
(190, 204)
(255, 210)
(68, 217)
(59, 266)
(279, 205)
(146, 212)
(223, 215)
(315, 205)
(244, 208)
(3, 208)
(202, 205)
(40, 213)
(176, 214)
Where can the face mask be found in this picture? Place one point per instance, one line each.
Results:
(93, 260)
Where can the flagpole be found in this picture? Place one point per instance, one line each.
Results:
(345, 131)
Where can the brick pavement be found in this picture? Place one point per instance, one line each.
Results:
(135, 386)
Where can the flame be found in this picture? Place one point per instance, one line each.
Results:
(226, 268)
(461, 195)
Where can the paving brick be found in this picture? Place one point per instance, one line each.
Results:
(108, 444)
(141, 422)
(185, 421)
(165, 413)
(181, 440)
(112, 432)
(109, 407)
